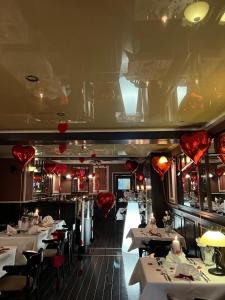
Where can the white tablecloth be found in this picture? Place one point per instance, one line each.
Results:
(7, 258)
(140, 235)
(25, 241)
(155, 287)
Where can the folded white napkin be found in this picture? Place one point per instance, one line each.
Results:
(172, 258)
(10, 230)
(48, 220)
(183, 270)
(34, 229)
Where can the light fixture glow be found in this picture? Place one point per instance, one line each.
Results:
(222, 19)
(164, 19)
(196, 11)
(163, 160)
(68, 176)
(187, 176)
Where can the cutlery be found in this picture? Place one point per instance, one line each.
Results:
(204, 276)
(164, 275)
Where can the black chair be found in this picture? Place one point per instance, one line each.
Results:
(159, 248)
(54, 254)
(22, 281)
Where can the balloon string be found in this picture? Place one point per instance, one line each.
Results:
(164, 192)
(21, 193)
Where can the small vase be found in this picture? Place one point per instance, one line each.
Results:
(168, 228)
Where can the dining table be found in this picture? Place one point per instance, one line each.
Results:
(140, 235)
(157, 280)
(26, 241)
(7, 257)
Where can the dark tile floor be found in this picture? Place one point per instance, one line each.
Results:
(100, 273)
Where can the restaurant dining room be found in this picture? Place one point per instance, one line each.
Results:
(112, 150)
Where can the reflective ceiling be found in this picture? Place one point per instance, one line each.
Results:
(110, 65)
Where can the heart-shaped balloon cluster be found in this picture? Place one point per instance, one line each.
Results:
(49, 166)
(60, 169)
(195, 144)
(23, 154)
(106, 201)
(131, 165)
(220, 147)
(161, 166)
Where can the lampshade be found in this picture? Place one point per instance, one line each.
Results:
(213, 239)
(196, 11)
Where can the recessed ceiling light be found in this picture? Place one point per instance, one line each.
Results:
(32, 78)
(222, 19)
(196, 11)
(60, 114)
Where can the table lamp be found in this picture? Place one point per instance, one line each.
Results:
(214, 239)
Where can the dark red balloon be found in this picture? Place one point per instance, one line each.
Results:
(140, 176)
(160, 168)
(106, 201)
(81, 159)
(49, 166)
(63, 127)
(60, 169)
(220, 148)
(195, 144)
(23, 154)
(62, 147)
(219, 172)
(131, 165)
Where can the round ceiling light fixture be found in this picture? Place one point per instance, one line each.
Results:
(32, 78)
(196, 11)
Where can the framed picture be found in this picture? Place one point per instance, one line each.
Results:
(101, 179)
(172, 183)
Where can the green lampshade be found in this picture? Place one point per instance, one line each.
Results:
(213, 239)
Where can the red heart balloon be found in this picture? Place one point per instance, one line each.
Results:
(131, 165)
(160, 167)
(106, 201)
(220, 147)
(140, 176)
(81, 185)
(81, 159)
(49, 166)
(62, 148)
(60, 169)
(23, 154)
(195, 144)
(219, 172)
(93, 155)
(63, 127)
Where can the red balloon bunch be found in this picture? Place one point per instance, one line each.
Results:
(60, 169)
(195, 144)
(106, 201)
(49, 166)
(220, 147)
(23, 154)
(131, 165)
(160, 165)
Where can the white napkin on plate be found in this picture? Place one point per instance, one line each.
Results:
(48, 220)
(187, 270)
(10, 230)
(172, 258)
(34, 229)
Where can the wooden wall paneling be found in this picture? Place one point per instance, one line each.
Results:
(190, 236)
